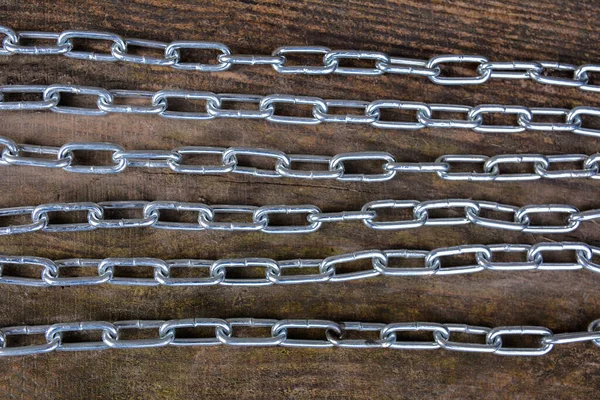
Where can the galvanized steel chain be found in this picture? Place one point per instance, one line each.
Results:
(334, 167)
(271, 332)
(319, 110)
(330, 61)
(330, 269)
(501, 216)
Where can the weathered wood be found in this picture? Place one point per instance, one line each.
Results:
(504, 30)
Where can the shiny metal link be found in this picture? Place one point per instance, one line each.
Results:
(286, 169)
(582, 250)
(182, 168)
(447, 344)
(582, 74)
(268, 104)
(56, 332)
(218, 268)
(324, 115)
(432, 260)
(329, 265)
(15, 47)
(52, 93)
(495, 335)
(317, 108)
(40, 214)
(375, 107)
(121, 54)
(55, 279)
(47, 347)
(67, 150)
(277, 334)
(227, 338)
(492, 165)
(522, 216)
(66, 38)
(147, 158)
(589, 170)
(478, 111)
(387, 263)
(421, 211)
(217, 110)
(488, 263)
(429, 122)
(326, 68)
(46, 103)
(48, 266)
(107, 104)
(173, 50)
(574, 116)
(99, 221)
(8, 35)
(390, 332)
(335, 56)
(337, 163)
(262, 214)
(450, 159)
(22, 228)
(510, 70)
(545, 76)
(230, 158)
(373, 206)
(116, 342)
(526, 122)
(108, 265)
(281, 328)
(258, 216)
(19, 157)
(340, 341)
(250, 59)
(496, 223)
(482, 74)
(207, 219)
(407, 66)
(161, 98)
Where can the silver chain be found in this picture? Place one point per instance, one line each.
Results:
(319, 110)
(174, 160)
(214, 272)
(206, 216)
(329, 61)
(333, 335)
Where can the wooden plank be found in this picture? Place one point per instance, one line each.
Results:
(507, 30)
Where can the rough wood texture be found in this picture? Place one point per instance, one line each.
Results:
(502, 30)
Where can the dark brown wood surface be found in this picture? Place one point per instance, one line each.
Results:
(502, 30)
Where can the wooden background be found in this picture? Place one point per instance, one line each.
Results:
(502, 30)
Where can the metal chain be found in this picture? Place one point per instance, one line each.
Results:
(474, 212)
(214, 272)
(64, 157)
(318, 109)
(329, 61)
(441, 336)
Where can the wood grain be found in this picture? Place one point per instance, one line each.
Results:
(502, 30)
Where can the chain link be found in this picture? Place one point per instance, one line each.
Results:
(214, 272)
(471, 212)
(278, 334)
(329, 61)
